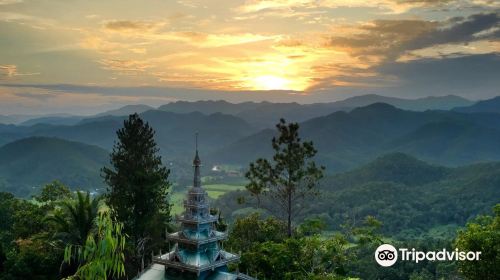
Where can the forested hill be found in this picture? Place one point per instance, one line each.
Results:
(174, 132)
(412, 198)
(28, 164)
(347, 139)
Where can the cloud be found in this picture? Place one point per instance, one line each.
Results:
(473, 76)
(452, 50)
(10, 2)
(260, 5)
(133, 26)
(125, 67)
(393, 6)
(40, 96)
(9, 71)
(392, 38)
(463, 31)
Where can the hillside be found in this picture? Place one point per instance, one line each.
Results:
(27, 164)
(174, 131)
(484, 106)
(410, 197)
(396, 167)
(451, 142)
(346, 140)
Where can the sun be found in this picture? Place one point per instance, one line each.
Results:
(270, 82)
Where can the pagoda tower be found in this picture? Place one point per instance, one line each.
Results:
(197, 253)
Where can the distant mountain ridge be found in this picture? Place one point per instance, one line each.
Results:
(174, 131)
(126, 110)
(69, 120)
(265, 114)
(261, 114)
(345, 140)
(446, 102)
(483, 106)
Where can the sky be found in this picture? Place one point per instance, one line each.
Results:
(82, 57)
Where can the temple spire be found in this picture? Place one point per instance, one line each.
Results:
(196, 165)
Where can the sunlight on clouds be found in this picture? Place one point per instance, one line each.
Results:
(299, 45)
(393, 6)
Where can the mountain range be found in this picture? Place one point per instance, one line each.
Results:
(347, 139)
(345, 136)
(265, 114)
(260, 114)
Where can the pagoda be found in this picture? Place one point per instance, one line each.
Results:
(197, 253)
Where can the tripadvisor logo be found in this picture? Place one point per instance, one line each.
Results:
(387, 255)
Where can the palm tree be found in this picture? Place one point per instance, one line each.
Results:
(75, 221)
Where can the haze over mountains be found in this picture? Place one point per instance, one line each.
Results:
(260, 113)
(347, 134)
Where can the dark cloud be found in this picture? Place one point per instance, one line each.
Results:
(383, 37)
(391, 38)
(473, 76)
(463, 31)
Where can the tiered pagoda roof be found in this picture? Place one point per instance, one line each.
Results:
(197, 253)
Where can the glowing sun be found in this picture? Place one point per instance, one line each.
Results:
(270, 82)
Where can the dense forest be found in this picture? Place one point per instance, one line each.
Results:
(328, 227)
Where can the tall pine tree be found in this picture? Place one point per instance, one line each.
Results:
(138, 187)
(290, 177)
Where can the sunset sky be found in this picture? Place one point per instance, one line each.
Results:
(85, 56)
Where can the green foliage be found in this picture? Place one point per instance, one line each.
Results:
(54, 191)
(221, 224)
(312, 226)
(268, 253)
(290, 177)
(369, 232)
(138, 187)
(102, 254)
(74, 221)
(28, 219)
(250, 231)
(481, 235)
(7, 202)
(25, 248)
(32, 258)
